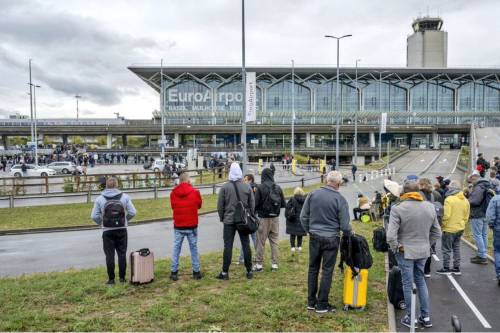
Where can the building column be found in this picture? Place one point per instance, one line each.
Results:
(148, 141)
(40, 138)
(65, 139)
(214, 139)
(124, 140)
(312, 140)
(264, 141)
(109, 141)
(372, 140)
(176, 140)
(435, 140)
(308, 139)
(5, 141)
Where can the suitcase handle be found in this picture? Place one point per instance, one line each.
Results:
(144, 252)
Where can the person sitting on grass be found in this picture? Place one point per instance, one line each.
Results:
(112, 211)
(292, 213)
(185, 201)
(363, 206)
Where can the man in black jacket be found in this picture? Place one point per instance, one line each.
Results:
(269, 199)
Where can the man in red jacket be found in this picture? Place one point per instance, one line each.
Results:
(185, 201)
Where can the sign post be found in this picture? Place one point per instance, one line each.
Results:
(383, 129)
(251, 105)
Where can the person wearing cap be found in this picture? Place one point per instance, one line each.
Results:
(456, 214)
(479, 226)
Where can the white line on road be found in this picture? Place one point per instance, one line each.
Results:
(455, 167)
(467, 300)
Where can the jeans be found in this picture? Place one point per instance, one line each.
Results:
(228, 235)
(496, 247)
(268, 228)
(451, 242)
(479, 228)
(292, 241)
(115, 240)
(412, 271)
(322, 253)
(253, 236)
(192, 236)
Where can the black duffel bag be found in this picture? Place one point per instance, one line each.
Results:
(244, 219)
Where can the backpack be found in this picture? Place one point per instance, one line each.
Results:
(438, 207)
(488, 195)
(379, 240)
(355, 252)
(272, 203)
(290, 212)
(243, 218)
(114, 212)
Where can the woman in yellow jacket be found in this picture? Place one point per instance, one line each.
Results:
(456, 215)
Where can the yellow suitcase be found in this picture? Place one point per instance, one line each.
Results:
(355, 289)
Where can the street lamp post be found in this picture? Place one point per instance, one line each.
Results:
(358, 93)
(35, 131)
(31, 103)
(162, 112)
(77, 97)
(293, 108)
(337, 98)
(243, 80)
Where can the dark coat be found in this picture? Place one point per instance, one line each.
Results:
(267, 181)
(293, 225)
(476, 199)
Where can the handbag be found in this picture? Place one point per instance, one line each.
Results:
(244, 219)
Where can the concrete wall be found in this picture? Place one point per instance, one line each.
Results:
(427, 49)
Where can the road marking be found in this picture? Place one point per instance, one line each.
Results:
(436, 258)
(467, 300)
(455, 167)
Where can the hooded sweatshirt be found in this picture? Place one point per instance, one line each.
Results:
(100, 202)
(185, 201)
(262, 193)
(456, 211)
(476, 198)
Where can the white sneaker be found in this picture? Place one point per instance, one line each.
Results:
(300, 248)
(293, 250)
(274, 267)
(257, 268)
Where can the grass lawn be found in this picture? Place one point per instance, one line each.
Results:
(272, 301)
(71, 215)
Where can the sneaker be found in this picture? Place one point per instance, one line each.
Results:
(444, 271)
(197, 276)
(223, 276)
(406, 321)
(425, 321)
(456, 271)
(300, 249)
(274, 267)
(479, 261)
(174, 276)
(258, 268)
(293, 250)
(122, 280)
(110, 282)
(326, 309)
(249, 275)
(427, 275)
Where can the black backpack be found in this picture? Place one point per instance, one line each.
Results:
(114, 212)
(395, 288)
(290, 211)
(379, 240)
(244, 219)
(355, 253)
(272, 203)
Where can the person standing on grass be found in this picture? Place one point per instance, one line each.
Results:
(479, 226)
(112, 211)
(250, 180)
(455, 217)
(493, 218)
(185, 201)
(413, 228)
(226, 206)
(324, 215)
(292, 213)
(269, 200)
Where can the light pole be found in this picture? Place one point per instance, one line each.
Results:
(358, 94)
(35, 123)
(77, 97)
(31, 103)
(293, 108)
(380, 113)
(162, 111)
(244, 81)
(337, 98)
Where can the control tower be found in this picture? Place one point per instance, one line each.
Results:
(428, 45)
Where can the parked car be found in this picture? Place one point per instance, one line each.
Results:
(32, 171)
(62, 167)
(159, 165)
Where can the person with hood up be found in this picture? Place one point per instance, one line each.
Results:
(456, 215)
(269, 199)
(479, 226)
(112, 211)
(292, 213)
(226, 206)
(185, 201)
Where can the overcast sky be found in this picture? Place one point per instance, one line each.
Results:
(84, 46)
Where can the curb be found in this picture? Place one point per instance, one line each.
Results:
(84, 227)
(474, 247)
(391, 312)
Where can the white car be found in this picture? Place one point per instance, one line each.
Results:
(62, 167)
(32, 171)
(158, 165)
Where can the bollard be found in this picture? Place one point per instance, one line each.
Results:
(302, 182)
(360, 180)
(213, 189)
(156, 191)
(11, 201)
(89, 196)
(46, 184)
(394, 170)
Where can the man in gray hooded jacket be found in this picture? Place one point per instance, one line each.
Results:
(114, 238)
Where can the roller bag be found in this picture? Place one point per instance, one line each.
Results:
(142, 266)
(395, 288)
(355, 288)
